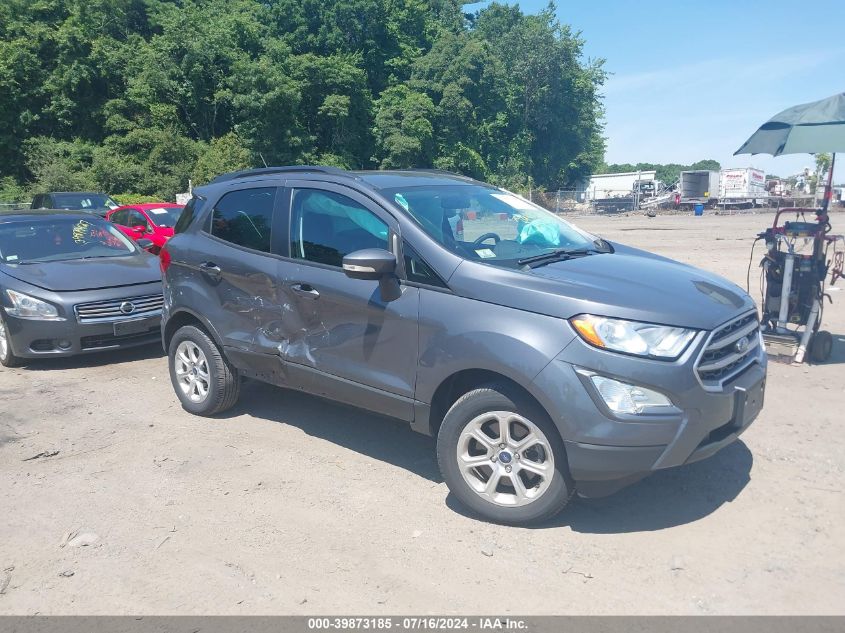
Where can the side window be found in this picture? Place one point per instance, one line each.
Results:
(244, 217)
(325, 226)
(135, 218)
(119, 217)
(193, 207)
(417, 270)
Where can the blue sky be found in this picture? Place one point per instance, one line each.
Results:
(694, 80)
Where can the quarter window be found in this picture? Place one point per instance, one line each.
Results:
(245, 218)
(326, 226)
(417, 270)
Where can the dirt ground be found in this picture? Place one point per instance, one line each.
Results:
(289, 504)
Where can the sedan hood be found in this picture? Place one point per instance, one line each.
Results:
(628, 284)
(88, 274)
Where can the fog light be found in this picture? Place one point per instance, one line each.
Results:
(620, 397)
(63, 344)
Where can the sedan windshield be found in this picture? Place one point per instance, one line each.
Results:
(60, 239)
(165, 217)
(83, 201)
(488, 224)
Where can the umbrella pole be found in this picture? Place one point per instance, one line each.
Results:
(828, 192)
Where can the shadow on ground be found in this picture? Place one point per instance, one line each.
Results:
(96, 359)
(665, 499)
(380, 438)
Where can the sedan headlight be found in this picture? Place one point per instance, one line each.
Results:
(633, 337)
(26, 307)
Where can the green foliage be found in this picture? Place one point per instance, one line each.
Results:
(135, 198)
(224, 154)
(143, 95)
(11, 191)
(59, 165)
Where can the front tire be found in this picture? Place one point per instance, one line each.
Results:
(503, 458)
(7, 355)
(204, 380)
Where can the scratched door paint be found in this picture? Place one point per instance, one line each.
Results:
(241, 274)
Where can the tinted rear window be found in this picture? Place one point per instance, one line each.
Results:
(191, 209)
(245, 217)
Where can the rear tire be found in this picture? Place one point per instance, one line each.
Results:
(203, 379)
(7, 356)
(511, 478)
(821, 345)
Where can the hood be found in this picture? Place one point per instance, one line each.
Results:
(627, 284)
(88, 274)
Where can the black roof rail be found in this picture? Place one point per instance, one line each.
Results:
(269, 171)
(432, 170)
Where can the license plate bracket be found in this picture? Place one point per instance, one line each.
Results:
(133, 326)
(749, 404)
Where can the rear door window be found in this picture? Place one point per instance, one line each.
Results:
(244, 217)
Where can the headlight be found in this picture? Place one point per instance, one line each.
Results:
(620, 397)
(633, 337)
(26, 307)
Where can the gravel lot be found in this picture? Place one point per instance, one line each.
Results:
(289, 504)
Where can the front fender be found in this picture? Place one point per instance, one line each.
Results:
(459, 334)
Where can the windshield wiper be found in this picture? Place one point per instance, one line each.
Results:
(558, 255)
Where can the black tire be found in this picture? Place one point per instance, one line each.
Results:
(821, 345)
(224, 384)
(498, 397)
(8, 359)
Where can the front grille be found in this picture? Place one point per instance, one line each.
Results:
(102, 341)
(119, 309)
(725, 356)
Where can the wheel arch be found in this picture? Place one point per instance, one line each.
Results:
(429, 418)
(183, 317)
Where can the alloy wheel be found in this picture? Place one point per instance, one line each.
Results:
(505, 458)
(192, 374)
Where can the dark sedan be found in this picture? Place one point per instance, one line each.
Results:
(87, 201)
(72, 283)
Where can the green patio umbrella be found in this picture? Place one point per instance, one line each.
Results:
(810, 128)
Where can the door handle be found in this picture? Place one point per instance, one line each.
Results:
(210, 268)
(306, 290)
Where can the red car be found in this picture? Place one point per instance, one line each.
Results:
(153, 221)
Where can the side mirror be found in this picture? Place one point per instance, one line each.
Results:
(144, 244)
(369, 263)
(140, 228)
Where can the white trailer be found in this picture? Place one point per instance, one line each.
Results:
(743, 186)
(700, 186)
(603, 186)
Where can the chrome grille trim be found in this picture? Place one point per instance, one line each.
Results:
(719, 361)
(109, 311)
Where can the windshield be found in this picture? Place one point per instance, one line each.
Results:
(487, 224)
(165, 217)
(83, 201)
(61, 239)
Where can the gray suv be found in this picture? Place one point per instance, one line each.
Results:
(541, 357)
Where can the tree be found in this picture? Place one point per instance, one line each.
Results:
(138, 96)
(403, 130)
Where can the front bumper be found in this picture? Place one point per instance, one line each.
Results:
(35, 338)
(606, 447)
(32, 338)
